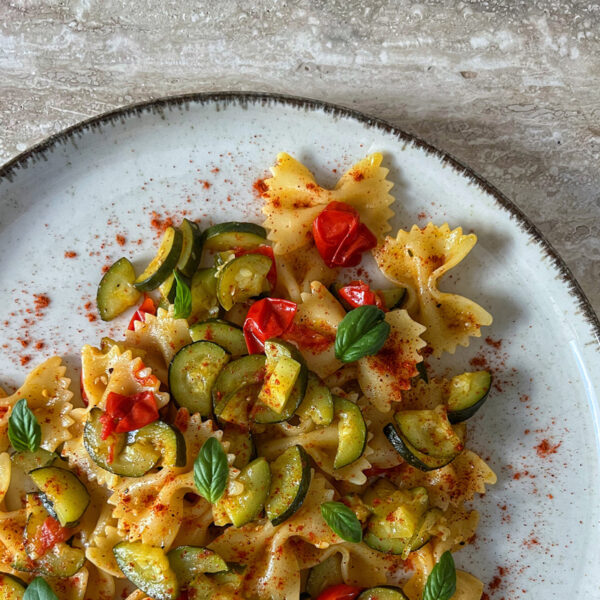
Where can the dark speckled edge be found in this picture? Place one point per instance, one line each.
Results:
(38, 152)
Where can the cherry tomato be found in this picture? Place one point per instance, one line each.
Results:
(266, 319)
(265, 251)
(340, 237)
(147, 306)
(340, 592)
(51, 532)
(128, 413)
(358, 293)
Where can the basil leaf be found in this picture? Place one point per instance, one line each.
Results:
(362, 332)
(24, 431)
(183, 298)
(342, 521)
(38, 589)
(441, 583)
(211, 470)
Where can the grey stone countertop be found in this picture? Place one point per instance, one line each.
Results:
(509, 87)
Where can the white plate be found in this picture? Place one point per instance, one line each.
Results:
(76, 192)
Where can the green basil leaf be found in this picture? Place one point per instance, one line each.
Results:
(342, 521)
(38, 589)
(441, 583)
(183, 298)
(211, 470)
(362, 332)
(24, 431)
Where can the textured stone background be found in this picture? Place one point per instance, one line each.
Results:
(509, 87)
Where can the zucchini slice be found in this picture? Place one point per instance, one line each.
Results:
(188, 562)
(383, 592)
(11, 588)
(429, 431)
(247, 506)
(352, 432)
(168, 288)
(28, 461)
(324, 575)
(238, 405)
(290, 480)
(392, 298)
(191, 248)
(466, 395)
(192, 374)
(163, 438)
(225, 334)
(116, 292)
(317, 403)
(243, 278)
(147, 567)
(162, 265)
(241, 443)
(204, 295)
(226, 236)
(63, 495)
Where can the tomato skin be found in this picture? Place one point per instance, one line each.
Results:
(51, 533)
(340, 237)
(340, 592)
(128, 413)
(147, 306)
(265, 251)
(358, 293)
(266, 319)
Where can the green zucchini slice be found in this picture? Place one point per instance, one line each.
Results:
(226, 236)
(241, 443)
(11, 588)
(247, 506)
(28, 461)
(352, 432)
(324, 575)
(64, 496)
(466, 395)
(238, 405)
(191, 248)
(429, 431)
(116, 292)
(188, 562)
(163, 264)
(290, 480)
(243, 278)
(168, 288)
(225, 334)
(147, 567)
(163, 438)
(204, 295)
(383, 592)
(192, 374)
(317, 403)
(392, 298)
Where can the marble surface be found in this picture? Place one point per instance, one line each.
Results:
(509, 87)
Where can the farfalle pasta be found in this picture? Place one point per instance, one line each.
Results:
(265, 428)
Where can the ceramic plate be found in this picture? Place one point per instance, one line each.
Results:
(98, 191)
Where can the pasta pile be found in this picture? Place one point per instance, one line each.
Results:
(162, 507)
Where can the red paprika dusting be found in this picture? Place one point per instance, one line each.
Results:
(260, 187)
(41, 302)
(120, 239)
(70, 254)
(357, 175)
(160, 224)
(25, 359)
(544, 449)
(494, 343)
(39, 345)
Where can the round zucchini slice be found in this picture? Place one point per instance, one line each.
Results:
(393, 297)
(148, 568)
(324, 575)
(192, 375)
(191, 248)
(383, 592)
(243, 278)
(188, 562)
(226, 236)
(352, 432)
(165, 439)
(238, 405)
(11, 588)
(116, 292)
(204, 295)
(225, 334)
(28, 461)
(318, 401)
(241, 443)
(63, 495)
(290, 480)
(467, 394)
(163, 264)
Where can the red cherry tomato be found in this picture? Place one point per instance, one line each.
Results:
(340, 592)
(51, 532)
(265, 251)
(147, 306)
(266, 319)
(128, 413)
(358, 293)
(340, 237)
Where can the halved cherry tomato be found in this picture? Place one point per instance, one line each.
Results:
(51, 532)
(340, 592)
(128, 413)
(147, 306)
(265, 251)
(340, 237)
(358, 293)
(266, 319)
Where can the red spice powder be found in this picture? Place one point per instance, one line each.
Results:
(39, 345)
(41, 302)
(215, 170)
(357, 175)
(544, 449)
(260, 187)
(25, 359)
(479, 361)
(91, 317)
(421, 215)
(121, 239)
(205, 184)
(70, 254)
(160, 223)
(105, 268)
(494, 343)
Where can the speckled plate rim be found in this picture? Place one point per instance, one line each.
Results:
(38, 152)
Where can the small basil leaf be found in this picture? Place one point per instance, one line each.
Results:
(183, 298)
(362, 332)
(441, 583)
(24, 431)
(342, 521)
(38, 589)
(211, 470)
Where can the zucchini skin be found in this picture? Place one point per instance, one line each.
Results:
(191, 251)
(225, 334)
(467, 409)
(11, 588)
(349, 414)
(163, 264)
(225, 236)
(383, 592)
(116, 290)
